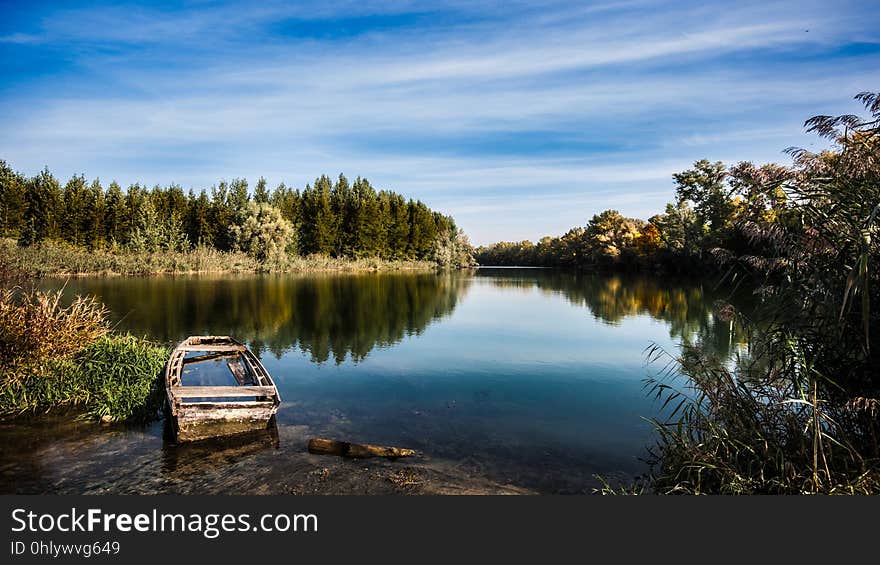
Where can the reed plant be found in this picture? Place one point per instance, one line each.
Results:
(53, 355)
(799, 412)
(62, 259)
(35, 326)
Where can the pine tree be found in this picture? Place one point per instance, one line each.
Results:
(12, 202)
(73, 218)
(135, 199)
(43, 200)
(345, 210)
(200, 229)
(221, 216)
(367, 227)
(422, 231)
(92, 217)
(238, 198)
(398, 227)
(115, 225)
(289, 202)
(147, 235)
(261, 194)
(324, 239)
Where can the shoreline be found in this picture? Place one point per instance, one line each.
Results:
(63, 261)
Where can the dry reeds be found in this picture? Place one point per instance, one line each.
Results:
(34, 325)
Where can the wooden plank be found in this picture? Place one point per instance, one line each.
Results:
(210, 356)
(223, 404)
(253, 368)
(206, 348)
(221, 391)
(238, 371)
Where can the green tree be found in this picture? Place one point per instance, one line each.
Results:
(263, 234)
(610, 236)
(74, 206)
(453, 249)
(422, 231)
(261, 193)
(200, 229)
(43, 199)
(147, 234)
(397, 227)
(92, 218)
(238, 197)
(704, 186)
(13, 203)
(115, 221)
(319, 231)
(289, 202)
(680, 229)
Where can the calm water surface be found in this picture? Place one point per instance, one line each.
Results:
(519, 378)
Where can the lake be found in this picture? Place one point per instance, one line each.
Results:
(504, 380)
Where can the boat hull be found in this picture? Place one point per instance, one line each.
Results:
(195, 422)
(203, 410)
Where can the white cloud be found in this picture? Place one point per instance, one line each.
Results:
(652, 87)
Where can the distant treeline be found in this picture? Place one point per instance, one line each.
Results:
(711, 201)
(338, 219)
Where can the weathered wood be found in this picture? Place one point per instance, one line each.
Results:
(221, 391)
(232, 409)
(207, 348)
(238, 371)
(211, 356)
(355, 450)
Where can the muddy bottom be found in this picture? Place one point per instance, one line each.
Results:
(60, 454)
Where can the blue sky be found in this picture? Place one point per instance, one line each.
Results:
(519, 119)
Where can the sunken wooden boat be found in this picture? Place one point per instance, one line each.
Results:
(217, 387)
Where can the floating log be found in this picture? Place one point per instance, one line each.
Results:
(355, 450)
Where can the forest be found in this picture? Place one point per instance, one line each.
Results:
(712, 201)
(334, 219)
(798, 410)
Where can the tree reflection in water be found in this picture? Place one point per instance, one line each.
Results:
(326, 316)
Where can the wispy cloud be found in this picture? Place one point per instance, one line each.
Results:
(517, 118)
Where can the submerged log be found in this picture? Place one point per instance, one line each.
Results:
(356, 450)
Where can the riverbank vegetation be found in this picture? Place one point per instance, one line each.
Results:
(800, 412)
(53, 355)
(61, 259)
(83, 227)
(713, 202)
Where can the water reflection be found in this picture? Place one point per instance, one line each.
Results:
(524, 378)
(329, 317)
(187, 458)
(690, 308)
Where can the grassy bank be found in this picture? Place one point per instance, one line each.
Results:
(55, 259)
(52, 356)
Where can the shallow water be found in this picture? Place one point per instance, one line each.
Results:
(504, 380)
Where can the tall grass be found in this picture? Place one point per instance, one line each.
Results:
(799, 413)
(35, 326)
(754, 430)
(53, 355)
(61, 259)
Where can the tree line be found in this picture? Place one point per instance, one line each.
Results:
(798, 410)
(339, 219)
(711, 199)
